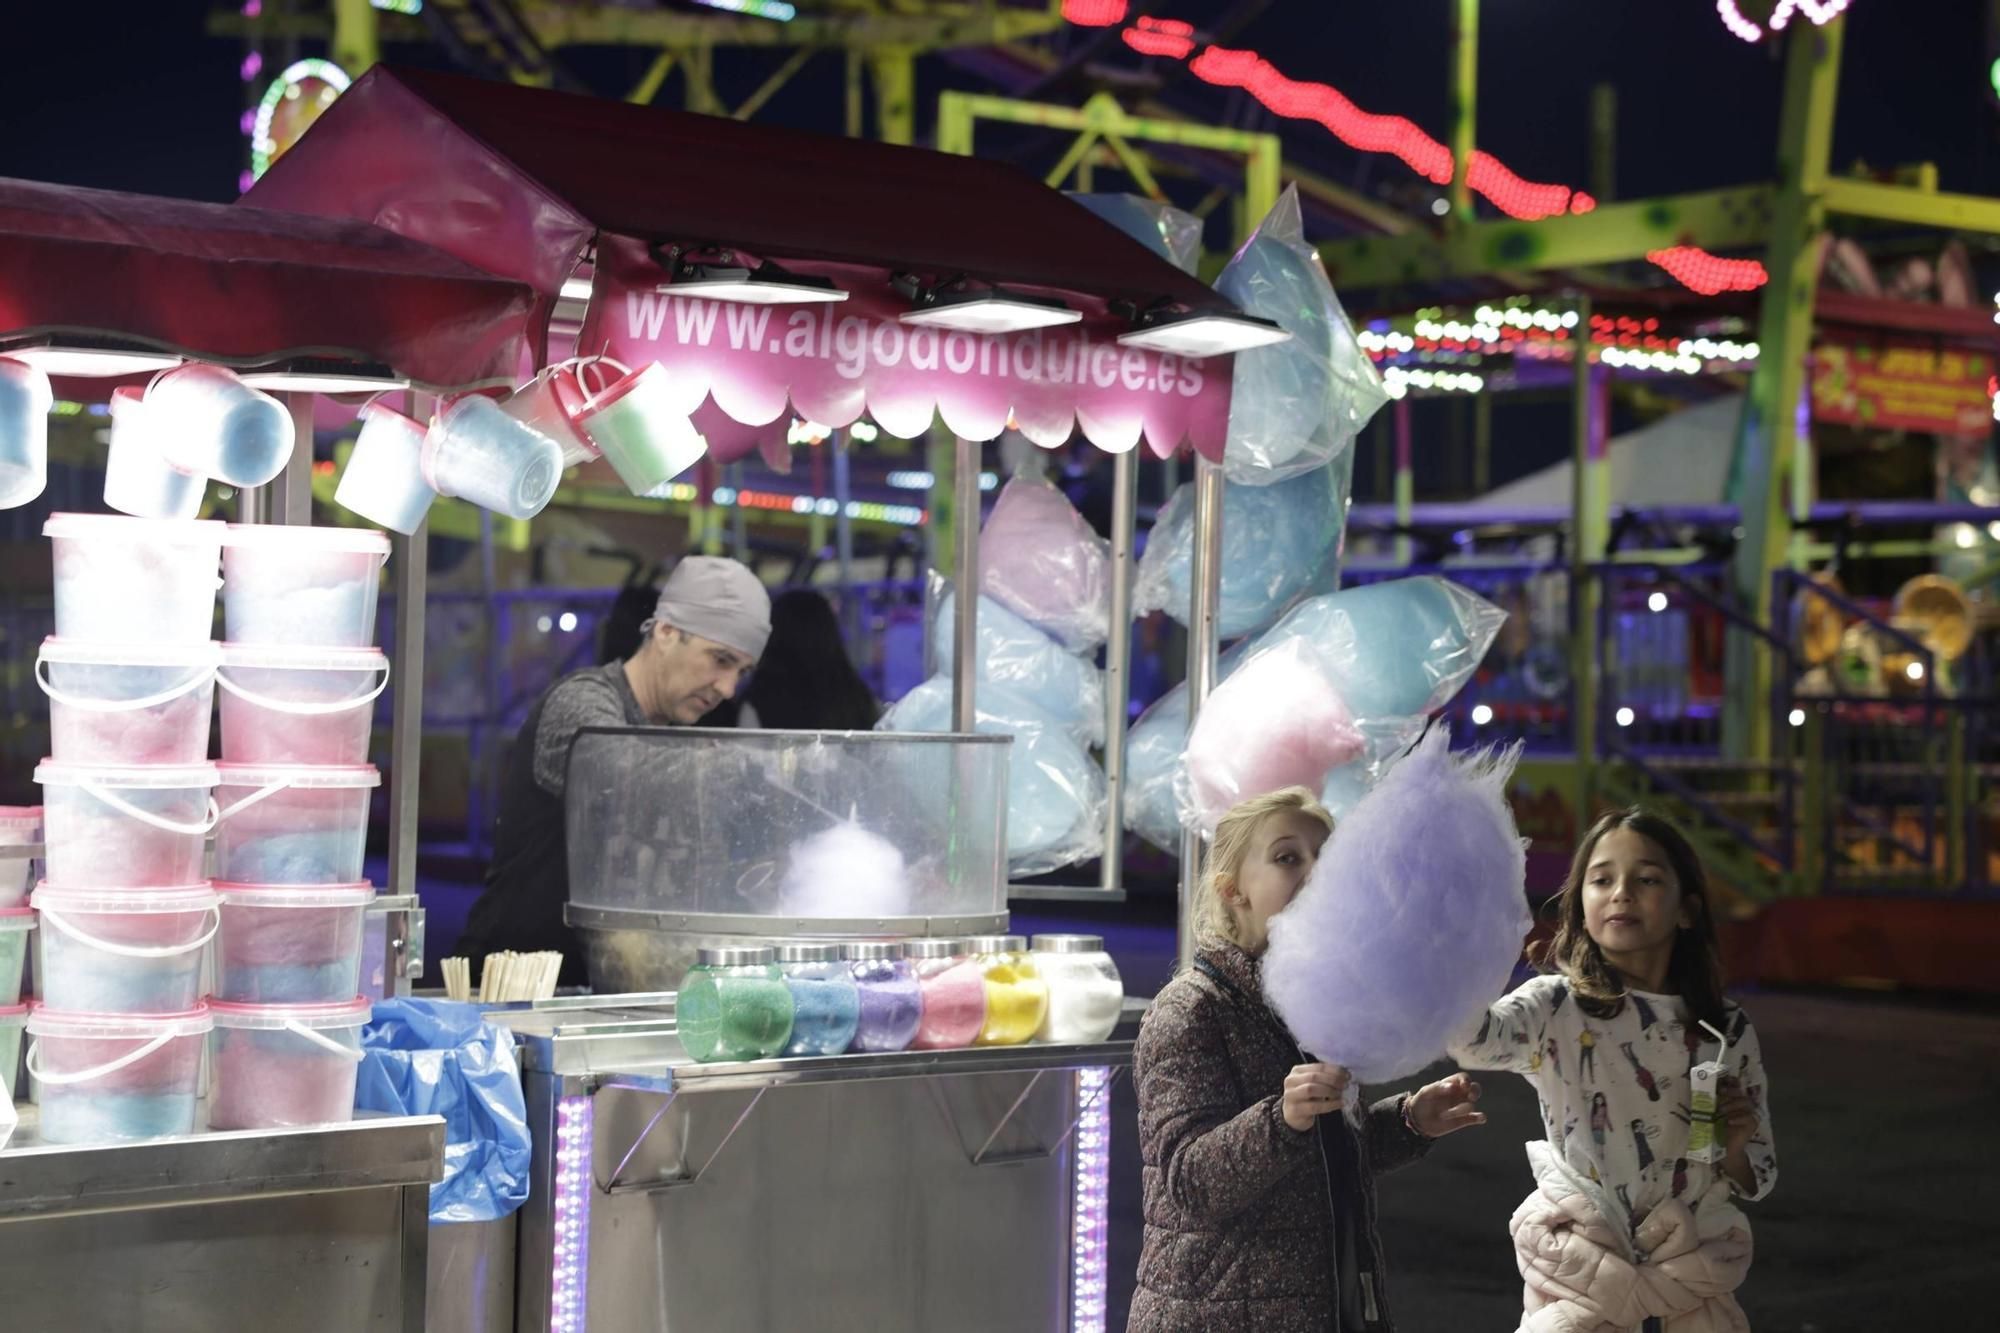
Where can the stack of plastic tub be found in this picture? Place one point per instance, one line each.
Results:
(299, 674)
(124, 912)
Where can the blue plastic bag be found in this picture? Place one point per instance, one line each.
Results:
(433, 1057)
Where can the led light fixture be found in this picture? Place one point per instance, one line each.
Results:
(1200, 333)
(313, 375)
(727, 276)
(966, 308)
(87, 356)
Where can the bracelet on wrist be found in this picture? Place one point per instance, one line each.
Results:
(1409, 1122)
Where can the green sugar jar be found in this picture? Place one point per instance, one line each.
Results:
(734, 1005)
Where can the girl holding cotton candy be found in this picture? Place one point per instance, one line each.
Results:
(1259, 1196)
(1653, 1097)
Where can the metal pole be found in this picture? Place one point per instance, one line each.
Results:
(291, 501)
(965, 577)
(1406, 480)
(410, 558)
(1464, 107)
(1206, 597)
(739, 516)
(1589, 520)
(843, 531)
(1118, 665)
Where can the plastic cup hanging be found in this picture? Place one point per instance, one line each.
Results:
(139, 478)
(475, 452)
(636, 424)
(25, 400)
(210, 422)
(384, 481)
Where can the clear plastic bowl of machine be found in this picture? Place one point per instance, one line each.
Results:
(681, 837)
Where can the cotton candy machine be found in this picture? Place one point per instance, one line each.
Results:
(681, 838)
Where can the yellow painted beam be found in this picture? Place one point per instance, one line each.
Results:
(1924, 208)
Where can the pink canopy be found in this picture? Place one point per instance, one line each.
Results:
(249, 287)
(533, 184)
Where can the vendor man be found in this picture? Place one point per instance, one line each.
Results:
(706, 633)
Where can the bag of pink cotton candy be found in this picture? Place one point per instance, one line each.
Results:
(1277, 722)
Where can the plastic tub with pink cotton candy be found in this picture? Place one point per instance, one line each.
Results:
(134, 580)
(103, 1078)
(291, 705)
(291, 584)
(123, 951)
(124, 825)
(290, 945)
(20, 835)
(127, 703)
(285, 1064)
(293, 823)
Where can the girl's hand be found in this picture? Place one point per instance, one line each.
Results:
(1738, 1114)
(1310, 1092)
(1445, 1107)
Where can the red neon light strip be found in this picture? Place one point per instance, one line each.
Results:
(1094, 13)
(1161, 37)
(1699, 271)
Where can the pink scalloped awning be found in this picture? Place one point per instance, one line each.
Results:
(744, 371)
(527, 182)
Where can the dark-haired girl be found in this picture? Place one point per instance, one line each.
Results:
(1625, 1229)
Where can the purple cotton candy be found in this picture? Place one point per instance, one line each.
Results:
(1413, 919)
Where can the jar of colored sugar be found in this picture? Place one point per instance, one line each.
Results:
(891, 1005)
(954, 993)
(1016, 995)
(1086, 996)
(826, 1006)
(734, 1005)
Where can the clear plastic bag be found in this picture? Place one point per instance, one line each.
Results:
(1296, 405)
(1400, 648)
(1014, 655)
(1055, 790)
(1040, 560)
(1278, 542)
(1278, 721)
(1153, 750)
(1397, 650)
(1168, 232)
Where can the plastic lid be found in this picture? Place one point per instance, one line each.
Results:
(21, 819)
(933, 948)
(1067, 944)
(808, 951)
(735, 955)
(46, 1022)
(13, 1015)
(296, 895)
(129, 654)
(57, 773)
(269, 1017)
(298, 775)
(16, 919)
(131, 902)
(870, 950)
(361, 541)
(375, 407)
(291, 656)
(125, 528)
(998, 944)
(624, 384)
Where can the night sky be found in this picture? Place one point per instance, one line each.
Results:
(136, 96)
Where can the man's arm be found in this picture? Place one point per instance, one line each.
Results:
(582, 701)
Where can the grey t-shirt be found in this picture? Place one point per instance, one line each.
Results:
(599, 697)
